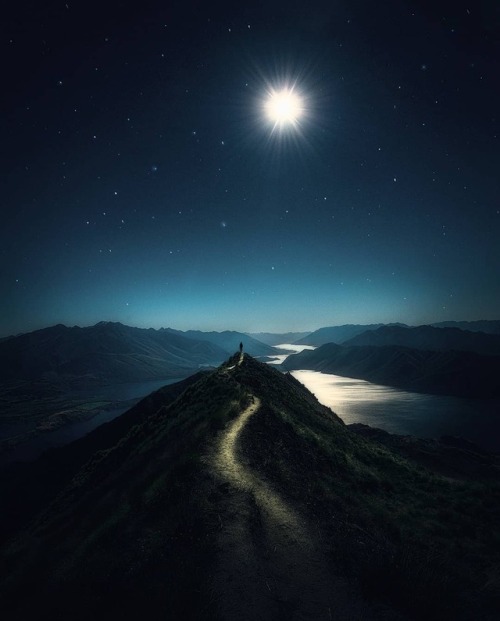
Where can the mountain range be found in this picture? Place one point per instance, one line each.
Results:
(458, 373)
(487, 326)
(228, 340)
(273, 338)
(114, 353)
(429, 338)
(236, 495)
(344, 334)
(336, 334)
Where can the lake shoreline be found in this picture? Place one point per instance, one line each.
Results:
(69, 417)
(406, 413)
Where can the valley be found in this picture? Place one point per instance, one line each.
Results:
(36, 418)
(52, 392)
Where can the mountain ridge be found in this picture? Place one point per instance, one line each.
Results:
(108, 351)
(463, 374)
(228, 340)
(148, 527)
(429, 338)
(488, 326)
(277, 338)
(338, 334)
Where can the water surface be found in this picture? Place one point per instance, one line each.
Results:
(407, 413)
(125, 394)
(289, 349)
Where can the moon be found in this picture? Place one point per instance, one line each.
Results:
(284, 108)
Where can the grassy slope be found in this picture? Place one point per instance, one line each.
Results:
(125, 536)
(133, 533)
(428, 544)
(26, 487)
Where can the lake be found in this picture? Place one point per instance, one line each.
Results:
(127, 394)
(354, 400)
(287, 349)
(407, 413)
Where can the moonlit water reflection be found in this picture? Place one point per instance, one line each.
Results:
(290, 349)
(407, 413)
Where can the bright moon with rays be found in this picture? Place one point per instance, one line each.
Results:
(284, 108)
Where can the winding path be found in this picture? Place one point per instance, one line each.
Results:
(229, 465)
(270, 566)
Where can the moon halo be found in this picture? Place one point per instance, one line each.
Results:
(283, 108)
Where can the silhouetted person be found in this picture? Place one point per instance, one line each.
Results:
(241, 348)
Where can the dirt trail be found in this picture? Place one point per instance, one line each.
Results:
(270, 565)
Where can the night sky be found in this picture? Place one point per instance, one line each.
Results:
(144, 182)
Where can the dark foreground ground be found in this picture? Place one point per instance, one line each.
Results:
(308, 519)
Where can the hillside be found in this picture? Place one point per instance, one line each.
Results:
(25, 487)
(486, 326)
(336, 334)
(429, 338)
(456, 373)
(273, 338)
(244, 498)
(229, 341)
(106, 352)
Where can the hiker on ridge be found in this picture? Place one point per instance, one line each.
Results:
(241, 348)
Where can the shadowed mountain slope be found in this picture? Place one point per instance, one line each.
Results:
(109, 352)
(436, 372)
(487, 326)
(229, 341)
(336, 334)
(245, 498)
(25, 487)
(430, 339)
(272, 338)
